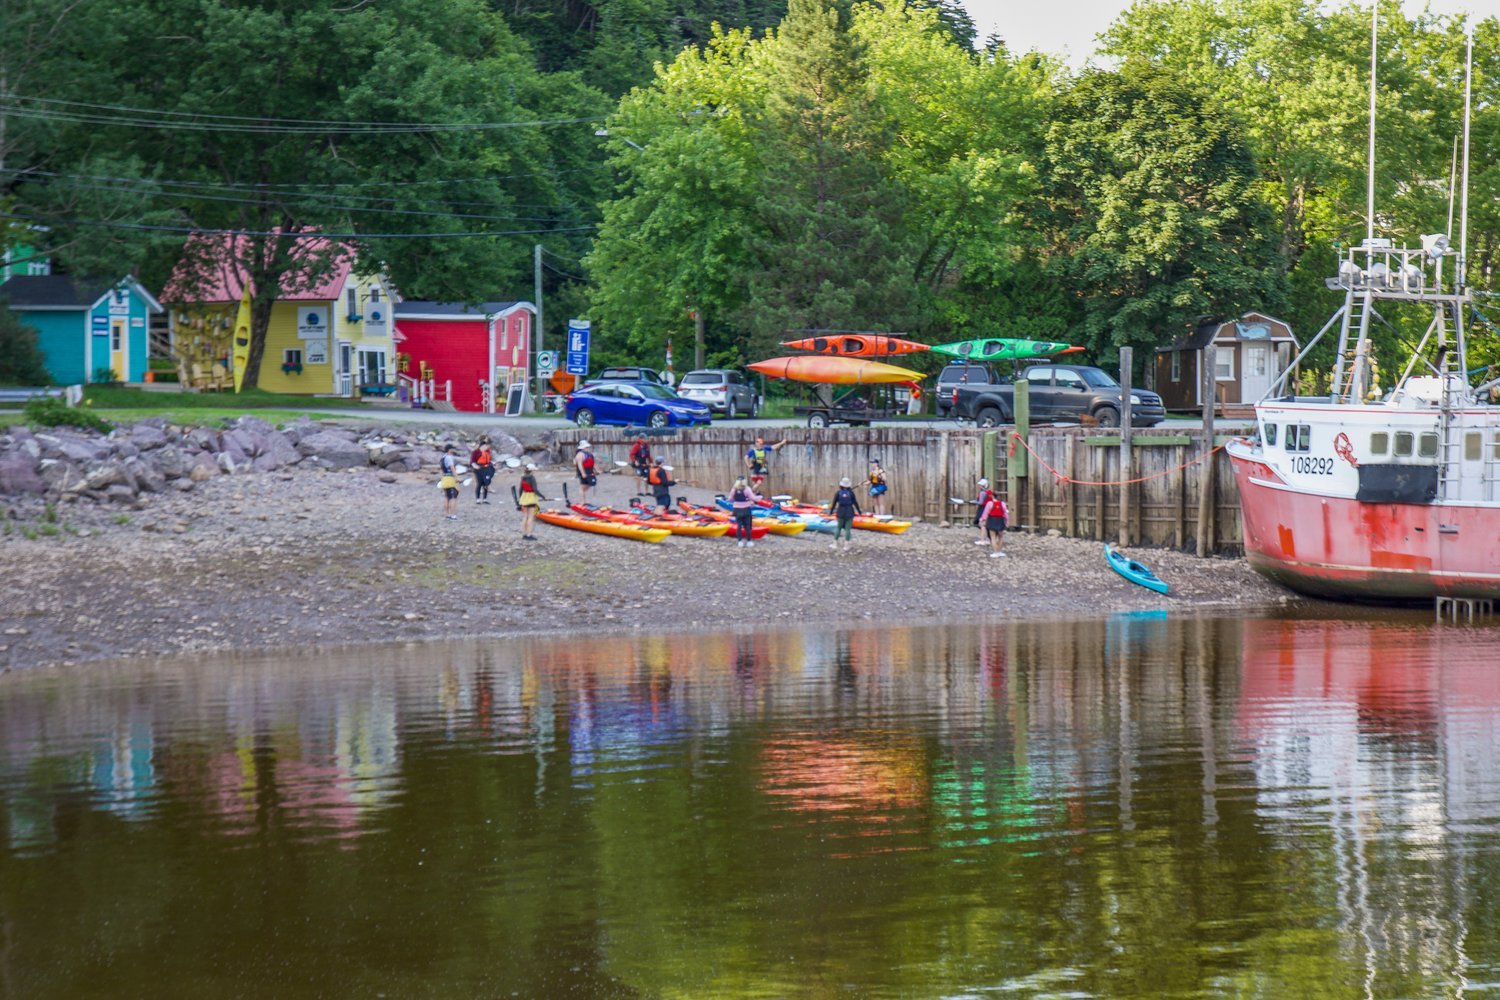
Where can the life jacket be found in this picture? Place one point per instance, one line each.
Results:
(528, 484)
(877, 478)
(484, 457)
(588, 461)
(640, 452)
(845, 499)
(657, 476)
(758, 456)
(740, 496)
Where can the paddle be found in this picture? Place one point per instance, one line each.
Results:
(514, 497)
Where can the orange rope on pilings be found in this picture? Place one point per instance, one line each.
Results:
(1014, 437)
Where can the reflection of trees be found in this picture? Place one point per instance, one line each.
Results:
(1117, 808)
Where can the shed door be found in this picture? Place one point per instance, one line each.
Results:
(1257, 375)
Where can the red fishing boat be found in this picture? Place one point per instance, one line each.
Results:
(1393, 497)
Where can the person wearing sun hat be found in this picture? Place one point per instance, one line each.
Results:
(585, 466)
(843, 506)
(528, 502)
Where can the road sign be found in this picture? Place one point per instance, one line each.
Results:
(578, 347)
(546, 363)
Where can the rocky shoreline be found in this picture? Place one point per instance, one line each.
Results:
(159, 539)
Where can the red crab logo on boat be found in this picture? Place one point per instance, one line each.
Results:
(1344, 449)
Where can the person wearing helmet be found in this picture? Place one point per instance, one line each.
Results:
(584, 466)
(985, 493)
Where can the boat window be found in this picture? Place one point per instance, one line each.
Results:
(1380, 442)
(1473, 446)
(1427, 447)
(1290, 437)
(1298, 437)
(1271, 435)
(1404, 440)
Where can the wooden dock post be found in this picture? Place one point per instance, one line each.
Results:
(1206, 474)
(1071, 502)
(1127, 360)
(1017, 460)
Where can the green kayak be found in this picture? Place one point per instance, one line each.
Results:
(1002, 349)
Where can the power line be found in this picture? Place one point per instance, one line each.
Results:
(29, 107)
(319, 235)
(565, 274)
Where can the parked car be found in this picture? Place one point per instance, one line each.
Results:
(725, 391)
(959, 373)
(643, 404)
(1057, 393)
(629, 373)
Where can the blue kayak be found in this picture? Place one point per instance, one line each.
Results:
(814, 523)
(1133, 571)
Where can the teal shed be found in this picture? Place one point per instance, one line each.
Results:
(85, 327)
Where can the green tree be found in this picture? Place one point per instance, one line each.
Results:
(1152, 210)
(21, 361)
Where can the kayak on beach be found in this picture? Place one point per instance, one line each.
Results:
(776, 524)
(1133, 571)
(677, 524)
(600, 526)
(865, 522)
(765, 510)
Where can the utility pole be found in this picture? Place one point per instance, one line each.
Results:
(541, 383)
(697, 336)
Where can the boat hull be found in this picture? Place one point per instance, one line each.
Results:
(1342, 548)
(599, 526)
(857, 345)
(833, 370)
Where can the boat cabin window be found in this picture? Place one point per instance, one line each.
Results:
(1380, 442)
(1427, 446)
(1404, 441)
(1473, 446)
(1298, 437)
(1270, 435)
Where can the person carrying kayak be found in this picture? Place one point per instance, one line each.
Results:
(993, 516)
(528, 502)
(640, 458)
(757, 458)
(844, 506)
(661, 485)
(743, 500)
(583, 465)
(483, 461)
(878, 486)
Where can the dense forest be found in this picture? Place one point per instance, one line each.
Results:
(767, 168)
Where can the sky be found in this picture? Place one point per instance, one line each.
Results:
(1068, 27)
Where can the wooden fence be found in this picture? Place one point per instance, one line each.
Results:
(927, 466)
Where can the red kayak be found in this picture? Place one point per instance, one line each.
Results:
(856, 345)
(648, 516)
(677, 524)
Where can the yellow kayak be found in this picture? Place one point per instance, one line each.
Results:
(599, 526)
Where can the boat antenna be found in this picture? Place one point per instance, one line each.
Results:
(1452, 185)
(1463, 237)
(1370, 171)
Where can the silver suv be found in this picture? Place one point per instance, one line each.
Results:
(725, 391)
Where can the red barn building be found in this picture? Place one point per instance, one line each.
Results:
(469, 347)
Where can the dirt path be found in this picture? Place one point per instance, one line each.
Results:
(303, 557)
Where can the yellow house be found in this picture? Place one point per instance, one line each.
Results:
(330, 331)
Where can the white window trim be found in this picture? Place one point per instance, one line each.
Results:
(1220, 355)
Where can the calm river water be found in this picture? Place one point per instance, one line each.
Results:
(1132, 807)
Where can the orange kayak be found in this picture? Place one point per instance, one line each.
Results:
(599, 526)
(771, 525)
(677, 524)
(865, 522)
(833, 370)
(856, 345)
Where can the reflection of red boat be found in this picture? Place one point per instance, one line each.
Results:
(856, 345)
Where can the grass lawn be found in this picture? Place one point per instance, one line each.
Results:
(121, 398)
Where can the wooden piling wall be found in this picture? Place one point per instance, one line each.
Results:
(927, 465)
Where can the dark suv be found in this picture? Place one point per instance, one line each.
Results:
(629, 373)
(725, 391)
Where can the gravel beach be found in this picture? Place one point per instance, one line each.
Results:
(308, 556)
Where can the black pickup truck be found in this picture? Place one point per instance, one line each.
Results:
(1057, 394)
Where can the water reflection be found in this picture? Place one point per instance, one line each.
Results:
(1132, 807)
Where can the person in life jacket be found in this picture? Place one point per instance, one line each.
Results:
(994, 515)
(640, 458)
(878, 486)
(483, 461)
(979, 502)
(757, 457)
(661, 485)
(528, 502)
(743, 499)
(448, 466)
(843, 506)
(583, 465)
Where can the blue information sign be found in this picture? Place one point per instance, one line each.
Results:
(578, 347)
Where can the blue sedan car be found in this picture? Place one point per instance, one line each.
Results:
(634, 403)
